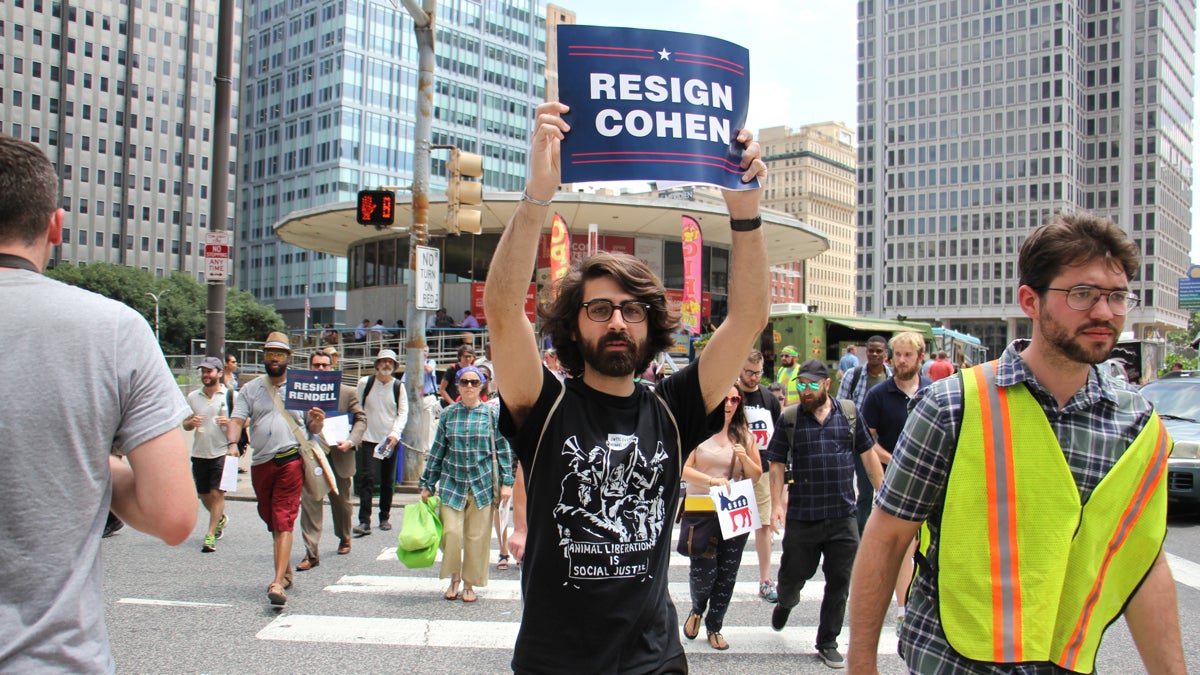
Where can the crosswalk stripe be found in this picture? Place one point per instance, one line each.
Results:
(502, 635)
(169, 603)
(1184, 571)
(505, 589)
(749, 557)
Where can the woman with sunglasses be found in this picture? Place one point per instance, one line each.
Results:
(728, 455)
(470, 466)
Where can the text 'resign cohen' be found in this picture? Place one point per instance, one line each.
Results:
(652, 105)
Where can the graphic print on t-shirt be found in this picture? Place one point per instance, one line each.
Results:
(761, 425)
(611, 512)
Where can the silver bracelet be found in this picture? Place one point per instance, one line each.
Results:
(526, 198)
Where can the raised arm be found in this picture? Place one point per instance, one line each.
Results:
(749, 299)
(507, 283)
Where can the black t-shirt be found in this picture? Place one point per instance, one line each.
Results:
(449, 376)
(601, 490)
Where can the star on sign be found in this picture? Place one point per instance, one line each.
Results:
(664, 55)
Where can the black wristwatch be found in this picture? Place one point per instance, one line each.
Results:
(746, 224)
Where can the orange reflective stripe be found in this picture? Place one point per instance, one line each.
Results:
(1133, 511)
(1002, 516)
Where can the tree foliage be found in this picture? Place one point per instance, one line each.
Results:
(181, 307)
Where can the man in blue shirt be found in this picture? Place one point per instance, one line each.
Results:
(818, 456)
(849, 360)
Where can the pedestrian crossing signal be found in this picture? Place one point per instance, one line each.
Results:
(376, 207)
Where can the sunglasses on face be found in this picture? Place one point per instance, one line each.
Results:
(815, 386)
(468, 383)
(733, 399)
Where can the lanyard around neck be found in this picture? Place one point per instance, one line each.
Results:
(17, 262)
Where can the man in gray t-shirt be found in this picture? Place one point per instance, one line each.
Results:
(100, 384)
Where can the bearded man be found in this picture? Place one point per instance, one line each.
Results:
(815, 461)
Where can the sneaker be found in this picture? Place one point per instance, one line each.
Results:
(779, 617)
(385, 525)
(362, 529)
(112, 525)
(221, 526)
(766, 591)
(832, 657)
(210, 544)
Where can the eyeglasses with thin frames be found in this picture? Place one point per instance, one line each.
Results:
(1083, 297)
(601, 310)
(751, 373)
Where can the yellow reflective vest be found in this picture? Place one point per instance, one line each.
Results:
(1025, 572)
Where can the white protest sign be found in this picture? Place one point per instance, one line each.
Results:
(737, 510)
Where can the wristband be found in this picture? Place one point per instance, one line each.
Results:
(526, 198)
(745, 225)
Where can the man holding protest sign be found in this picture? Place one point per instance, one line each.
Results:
(276, 469)
(341, 461)
(602, 573)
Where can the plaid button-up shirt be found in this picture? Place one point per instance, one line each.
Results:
(1094, 429)
(460, 460)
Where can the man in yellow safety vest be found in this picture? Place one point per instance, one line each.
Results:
(1038, 485)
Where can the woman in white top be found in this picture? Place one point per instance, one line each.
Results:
(730, 454)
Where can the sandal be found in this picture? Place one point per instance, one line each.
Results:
(503, 564)
(469, 595)
(276, 595)
(691, 627)
(717, 642)
(452, 592)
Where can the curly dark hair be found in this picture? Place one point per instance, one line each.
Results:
(561, 317)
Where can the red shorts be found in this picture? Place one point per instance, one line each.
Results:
(277, 488)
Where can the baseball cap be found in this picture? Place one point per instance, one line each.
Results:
(813, 370)
(387, 354)
(790, 351)
(277, 340)
(211, 362)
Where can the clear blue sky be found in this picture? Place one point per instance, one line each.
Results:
(802, 55)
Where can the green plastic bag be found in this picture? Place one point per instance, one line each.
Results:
(420, 534)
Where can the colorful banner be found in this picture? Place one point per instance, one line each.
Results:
(693, 248)
(652, 105)
(560, 253)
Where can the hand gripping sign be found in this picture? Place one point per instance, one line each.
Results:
(652, 105)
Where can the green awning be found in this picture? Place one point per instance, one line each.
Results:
(881, 325)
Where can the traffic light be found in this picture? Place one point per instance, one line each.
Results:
(461, 192)
(376, 207)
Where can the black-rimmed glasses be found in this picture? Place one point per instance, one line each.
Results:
(1082, 298)
(601, 310)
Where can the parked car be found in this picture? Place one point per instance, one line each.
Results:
(1176, 397)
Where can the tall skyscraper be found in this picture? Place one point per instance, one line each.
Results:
(120, 97)
(980, 119)
(811, 176)
(330, 102)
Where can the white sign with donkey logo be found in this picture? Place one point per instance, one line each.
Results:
(737, 510)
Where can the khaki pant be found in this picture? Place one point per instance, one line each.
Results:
(312, 518)
(466, 542)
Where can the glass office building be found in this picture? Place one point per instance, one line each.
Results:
(981, 119)
(329, 91)
(120, 97)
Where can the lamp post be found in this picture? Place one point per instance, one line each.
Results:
(156, 296)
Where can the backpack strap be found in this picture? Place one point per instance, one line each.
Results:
(675, 424)
(362, 400)
(545, 425)
(396, 392)
(851, 412)
(858, 371)
(787, 426)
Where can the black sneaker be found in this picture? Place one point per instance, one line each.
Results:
(385, 525)
(832, 657)
(779, 617)
(112, 525)
(362, 529)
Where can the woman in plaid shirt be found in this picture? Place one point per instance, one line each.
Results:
(467, 452)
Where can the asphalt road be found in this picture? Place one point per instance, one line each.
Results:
(181, 611)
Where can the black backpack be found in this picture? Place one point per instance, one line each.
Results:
(371, 383)
(787, 423)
